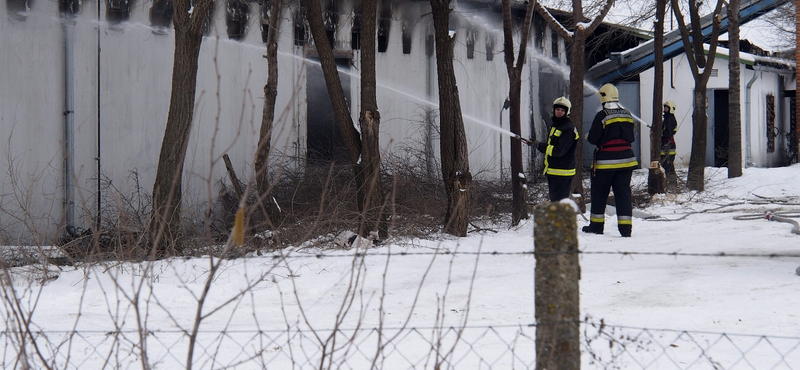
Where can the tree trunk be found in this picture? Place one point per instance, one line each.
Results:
(519, 202)
(373, 211)
(519, 197)
(697, 161)
(734, 94)
(265, 201)
(576, 98)
(165, 220)
(455, 164)
(655, 176)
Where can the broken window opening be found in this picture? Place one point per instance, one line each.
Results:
(209, 21)
(117, 11)
(472, 34)
(69, 7)
(355, 40)
(407, 31)
(384, 25)
(554, 45)
(300, 28)
(538, 35)
(237, 13)
(18, 8)
(161, 15)
(265, 21)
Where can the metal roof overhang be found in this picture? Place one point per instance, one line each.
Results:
(633, 61)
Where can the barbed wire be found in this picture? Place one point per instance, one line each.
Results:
(533, 253)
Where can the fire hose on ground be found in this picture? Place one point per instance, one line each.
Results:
(775, 216)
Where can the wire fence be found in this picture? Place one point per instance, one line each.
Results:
(470, 347)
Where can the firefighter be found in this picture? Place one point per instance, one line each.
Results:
(668, 129)
(612, 132)
(559, 151)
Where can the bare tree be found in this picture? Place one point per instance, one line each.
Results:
(658, 97)
(577, 42)
(364, 151)
(370, 119)
(734, 89)
(519, 201)
(701, 66)
(165, 220)
(453, 146)
(782, 21)
(263, 186)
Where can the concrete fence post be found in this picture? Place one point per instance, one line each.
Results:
(556, 287)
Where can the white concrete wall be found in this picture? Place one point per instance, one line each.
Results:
(135, 69)
(135, 82)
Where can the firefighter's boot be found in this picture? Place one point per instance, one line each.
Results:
(625, 230)
(594, 228)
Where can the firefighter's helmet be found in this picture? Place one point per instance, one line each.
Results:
(671, 105)
(562, 102)
(608, 93)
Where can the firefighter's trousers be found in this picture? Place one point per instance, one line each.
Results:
(620, 182)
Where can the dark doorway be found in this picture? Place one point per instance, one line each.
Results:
(324, 141)
(720, 128)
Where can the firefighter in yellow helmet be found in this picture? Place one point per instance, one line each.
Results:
(559, 151)
(612, 132)
(669, 127)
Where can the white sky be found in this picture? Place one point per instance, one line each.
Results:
(661, 309)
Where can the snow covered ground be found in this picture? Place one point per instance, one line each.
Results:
(696, 287)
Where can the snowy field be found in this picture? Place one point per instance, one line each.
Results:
(706, 282)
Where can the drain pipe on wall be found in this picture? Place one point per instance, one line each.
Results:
(69, 124)
(747, 110)
(99, 181)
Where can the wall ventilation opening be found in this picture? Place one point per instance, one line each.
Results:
(237, 13)
(161, 16)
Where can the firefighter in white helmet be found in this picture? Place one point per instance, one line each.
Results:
(612, 132)
(669, 127)
(559, 151)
